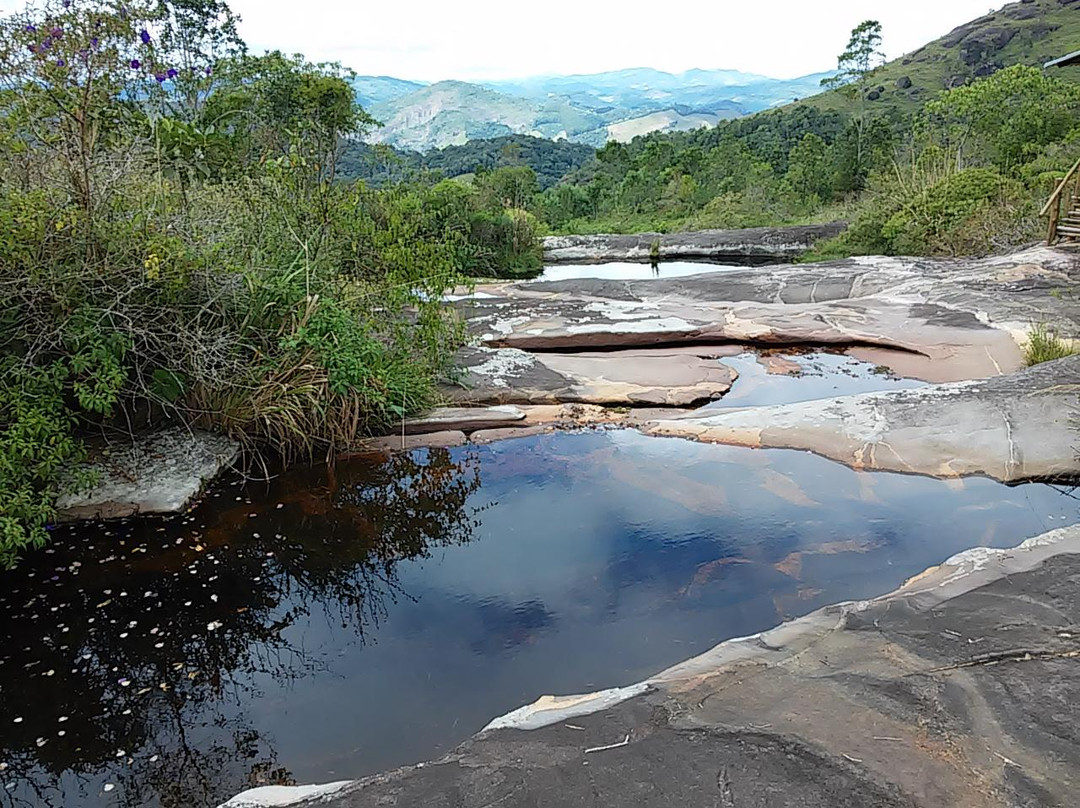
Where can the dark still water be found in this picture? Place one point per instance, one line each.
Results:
(320, 628)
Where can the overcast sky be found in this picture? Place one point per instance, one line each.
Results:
(493, 39)
(489, 39)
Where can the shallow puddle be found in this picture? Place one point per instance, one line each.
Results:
(786, 378)
(629, 271)
(329, 626)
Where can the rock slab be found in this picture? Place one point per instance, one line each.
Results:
(1013, 428)
(161, 473)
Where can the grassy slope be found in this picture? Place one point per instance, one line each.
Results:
(1030, 33)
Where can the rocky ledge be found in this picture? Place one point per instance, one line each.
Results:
(1013, 428)
(961, 688)
(161, 473)
(760, 244)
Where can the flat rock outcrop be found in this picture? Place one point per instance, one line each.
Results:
(161, 473)
(1012, 428)
(626, 378)
(761, 244)
(938, 320)
(960, 689)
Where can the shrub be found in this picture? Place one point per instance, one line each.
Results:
(189, 257)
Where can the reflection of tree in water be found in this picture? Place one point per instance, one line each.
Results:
(128, 651)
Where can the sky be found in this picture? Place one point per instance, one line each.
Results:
(472, 40)
(497, 39)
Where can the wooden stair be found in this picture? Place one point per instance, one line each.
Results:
(1063, 208)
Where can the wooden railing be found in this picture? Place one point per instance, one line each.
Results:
(1053, 205)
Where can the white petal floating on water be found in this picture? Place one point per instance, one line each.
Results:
(108, 787)
(213, 625)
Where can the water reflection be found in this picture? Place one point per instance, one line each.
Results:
(130, 652)
(332, 625)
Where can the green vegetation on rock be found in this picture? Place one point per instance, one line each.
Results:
(1045, 346)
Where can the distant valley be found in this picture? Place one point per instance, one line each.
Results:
(590, 109)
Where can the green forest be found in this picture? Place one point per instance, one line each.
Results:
(192, 234)
(550, 160)
(964, 173)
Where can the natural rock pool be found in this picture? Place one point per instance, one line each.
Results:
(330, 625)
(634, 271)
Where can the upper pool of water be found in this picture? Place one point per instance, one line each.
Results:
(330, 625)
(625, 270)
(804, 376)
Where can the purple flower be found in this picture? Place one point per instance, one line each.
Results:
(93, 42)
(46, 43)
(173, 73)
(135, 64)
(57, 32)
(208, 71)
(144, 35)
(30, 29)
(60, 63)
(32, 48)
(159, 77)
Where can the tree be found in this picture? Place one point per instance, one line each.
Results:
(1012, 115)
(861, 59)
(809, 173)
(855, 67)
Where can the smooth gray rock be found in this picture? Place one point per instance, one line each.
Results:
(1012, 428)
(463, 419)
(160, 473)
(671, 378)
(760, 243)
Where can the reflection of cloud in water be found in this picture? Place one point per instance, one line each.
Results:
(381, 614)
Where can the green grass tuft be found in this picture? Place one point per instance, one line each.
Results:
(1044, 346)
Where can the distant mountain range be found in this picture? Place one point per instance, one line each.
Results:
(590, 109)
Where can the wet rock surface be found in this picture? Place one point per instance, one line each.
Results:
(631, 378)
(155, 474)
(1012, 428)
(762, 243)
(941, 320)
(959, 689)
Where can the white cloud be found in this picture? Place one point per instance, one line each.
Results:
(491, 39)
(488, 39)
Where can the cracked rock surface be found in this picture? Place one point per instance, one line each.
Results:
(1012, 428)
(160, 473)
(936, 320)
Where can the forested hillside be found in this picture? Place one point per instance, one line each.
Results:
(921, 170)
(551, 160)
(1030, 33)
